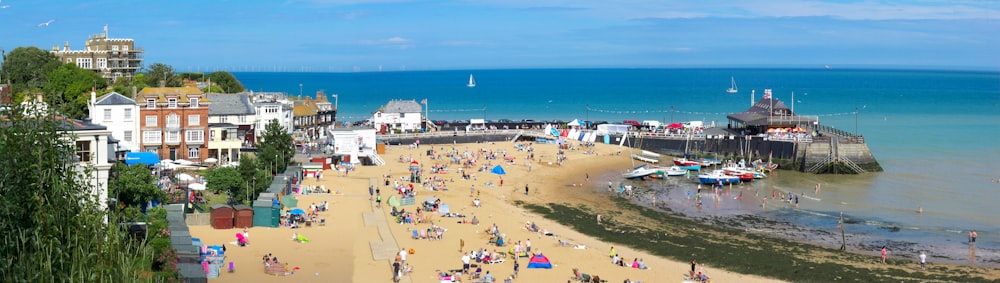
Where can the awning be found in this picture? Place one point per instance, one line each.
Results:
(143, 157)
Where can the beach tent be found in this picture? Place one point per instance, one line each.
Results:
(147, 158)
(539, 261)
(498, 170)
(576, 122)
(297, 211)
(675, 126)
(564, 133)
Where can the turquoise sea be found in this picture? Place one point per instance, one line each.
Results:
(936, 133)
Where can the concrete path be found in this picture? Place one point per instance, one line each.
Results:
(385, 248)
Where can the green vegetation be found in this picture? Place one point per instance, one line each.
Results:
(68, 89)
(711, 242)
(133, 185)
(159, 74)
(54, 228)
(275, 147)
(226, 82)
(27, 69)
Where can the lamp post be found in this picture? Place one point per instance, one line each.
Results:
(856, 121)
(300, 90)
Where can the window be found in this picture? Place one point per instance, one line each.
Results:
(173, 121)
(84, 63)
(194, 103)
(69, 60)
(172, 103)
(102, 63)
(150, 137)
(194, 120)
(195, 135)
(193, 153)
(223, 119)
(114, 48)
(124, 47)
(151, 103)
(128, 114)
(243, 119)
(174, 136)
(107, 114)
(211, 135)
(128, 136)
(83, 151)
(151, 121)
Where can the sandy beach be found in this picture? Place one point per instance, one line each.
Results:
(342, 250)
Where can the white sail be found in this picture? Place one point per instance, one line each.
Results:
(472, 81)
(733, 88)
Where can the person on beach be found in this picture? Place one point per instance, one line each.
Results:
(598, 219)
(461, 245)
(465, 263)
(923, 260)
(972, 236)
(525, 189)
(371, 192)
(612, 253)
(884, 253)
(694, 263)
(517, 266)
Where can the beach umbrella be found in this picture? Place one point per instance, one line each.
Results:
(297, 211)
(800, 130)
(184, 177)
(498, 170)
(675, 126)
(197, 186)
(772, 130)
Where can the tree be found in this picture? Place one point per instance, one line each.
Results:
(134, 185)
(255, 180)
(124, 86)
(27, 67)
(224, 180)
(198, 77)
(68, 89)
(53, 228)
(226, 81)
(275, 147)
(162, 73)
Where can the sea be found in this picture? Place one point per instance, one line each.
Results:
(935, 133)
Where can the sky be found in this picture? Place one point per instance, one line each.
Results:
(366, 35)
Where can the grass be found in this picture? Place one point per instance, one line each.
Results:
(676, 237)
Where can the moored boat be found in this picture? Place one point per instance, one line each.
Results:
(687, 164)
(717, 177)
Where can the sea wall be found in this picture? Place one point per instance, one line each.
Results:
(798, 156)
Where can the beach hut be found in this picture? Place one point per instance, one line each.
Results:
(222, 216)
(539, 261)
(265, 213)
(243, 216)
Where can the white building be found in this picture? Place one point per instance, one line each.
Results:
(120, 115)
(272, 106)
(398, 115)
(231, 122)
(354, 143)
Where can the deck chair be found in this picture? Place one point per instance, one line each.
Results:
(322, 222)
(496, 260)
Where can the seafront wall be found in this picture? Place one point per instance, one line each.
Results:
(798, 156)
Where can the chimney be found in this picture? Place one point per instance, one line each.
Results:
(66, 46)
(163, 83)
(318, 94)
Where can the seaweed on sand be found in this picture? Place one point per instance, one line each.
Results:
(680, 238)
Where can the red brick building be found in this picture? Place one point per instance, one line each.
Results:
(174, 122)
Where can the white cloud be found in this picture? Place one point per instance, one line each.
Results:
(392, 42)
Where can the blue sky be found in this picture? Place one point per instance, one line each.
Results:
(361, 35)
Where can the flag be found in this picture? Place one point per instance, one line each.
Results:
(105, 30)
(767, 94)
(333, 95)
(424, 102)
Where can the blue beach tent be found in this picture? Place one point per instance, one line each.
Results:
(539, 261)
(142, 157)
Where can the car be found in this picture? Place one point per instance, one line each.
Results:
(505, 121)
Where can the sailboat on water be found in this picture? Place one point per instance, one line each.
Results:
(472, 81)
(733, 88)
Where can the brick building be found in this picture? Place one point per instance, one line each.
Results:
(174, 122)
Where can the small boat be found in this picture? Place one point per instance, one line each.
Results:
(733, 88)
(640, 172)
(645, 158)
(673, 171)
(687, 164)
(717, 177)
(472, 81)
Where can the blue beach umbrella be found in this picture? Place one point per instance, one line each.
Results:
(297, 211)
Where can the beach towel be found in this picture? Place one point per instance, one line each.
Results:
(302, 239)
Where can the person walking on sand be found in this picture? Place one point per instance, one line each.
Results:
(884, 253)
(598, 219)
(923, 260)
(378, 201)
(461, 245)
(525, 189)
